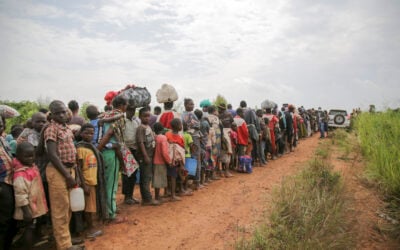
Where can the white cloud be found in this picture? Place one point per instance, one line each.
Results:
(287, 51)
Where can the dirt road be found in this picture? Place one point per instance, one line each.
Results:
(210, 219)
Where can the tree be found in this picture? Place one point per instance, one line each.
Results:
(219, 100)
(82, 110)
(26, 110)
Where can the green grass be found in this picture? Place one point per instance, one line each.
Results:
(308, 212)
(379, 137)
(345, 142)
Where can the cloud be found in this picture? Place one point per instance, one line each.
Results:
(302, 52)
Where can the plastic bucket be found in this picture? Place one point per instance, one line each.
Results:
(191, 166)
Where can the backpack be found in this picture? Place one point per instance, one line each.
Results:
(252, 132)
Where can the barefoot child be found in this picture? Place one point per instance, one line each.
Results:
(145, 144)
(177, 150)
(161, 160)
(30, 200)
(87, 162)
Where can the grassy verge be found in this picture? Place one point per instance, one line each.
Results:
(379, 137)
(308, 211)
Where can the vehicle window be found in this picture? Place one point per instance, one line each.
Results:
(337, 112)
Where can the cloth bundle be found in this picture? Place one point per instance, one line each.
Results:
(166, 93)
(136, 96)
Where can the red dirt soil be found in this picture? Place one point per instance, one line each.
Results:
(216, 216)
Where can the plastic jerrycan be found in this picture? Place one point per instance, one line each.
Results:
(77, 199)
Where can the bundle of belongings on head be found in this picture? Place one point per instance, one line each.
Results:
(136, 96)
(166, 93)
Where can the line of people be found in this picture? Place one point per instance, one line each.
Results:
(176, 153)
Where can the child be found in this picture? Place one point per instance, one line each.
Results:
(234, 138)
(177, 150)
(16, 130)
(128, 183)
(204, 156)
(161, 160)
(187, 138)
(60, 172)
(30, 200)
(190, 147)
(87, 162)
(93, 114)
(32, 135)
(146, 144)
(192, 124)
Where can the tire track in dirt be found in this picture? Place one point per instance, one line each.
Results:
(212, 218)
(364, 203)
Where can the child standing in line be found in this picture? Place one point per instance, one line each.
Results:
(30, 200)
(92, 113)
(60, 172)
(146, 144)
(161, 160)
(177, 150)
(189, 149)
(32, 135)
(128, 182)
(87, 162)
(234, 139)
(16, 130)
(204, 156)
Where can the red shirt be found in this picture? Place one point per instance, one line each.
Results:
(161, 152)
(242, 131)
(273, 120)
(175, 138)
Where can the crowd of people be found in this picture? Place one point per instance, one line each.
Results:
(175, 154)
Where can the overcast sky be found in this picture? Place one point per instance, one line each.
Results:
(333, 54)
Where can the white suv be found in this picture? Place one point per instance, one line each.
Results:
(338, 118)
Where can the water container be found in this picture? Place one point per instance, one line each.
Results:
(191, 165)
(77, 199)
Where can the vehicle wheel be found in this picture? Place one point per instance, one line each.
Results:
(339, 119)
